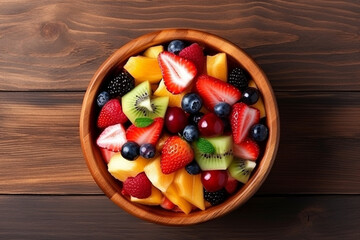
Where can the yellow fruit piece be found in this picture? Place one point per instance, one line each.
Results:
(216, 66)
(160, 180)
(259, 104)
(121, 169)
(190, 188)
(153, 52)
(154, 199)
(174, 99)
(172, 194)
(144, 69)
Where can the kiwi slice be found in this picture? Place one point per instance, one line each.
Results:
(220, 159)
(241, 169)
(138, 103)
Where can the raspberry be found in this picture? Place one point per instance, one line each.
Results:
(138, 186)
(238, 78)
(215, 198)
(121, 84)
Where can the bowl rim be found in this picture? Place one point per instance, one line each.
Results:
(97, 166)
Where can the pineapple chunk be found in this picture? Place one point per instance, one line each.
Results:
(216, 66)
(121, 169)
(190, 188)
(174, 197)
(144, 69)
(153, 52)
(157, 178)
(174, 99)
(154, 199)
(259, 104)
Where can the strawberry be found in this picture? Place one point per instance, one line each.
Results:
(213, 91)
(175, 154)
(167, 204)
(149, 134)
(138, 186)
(247, 149)
(106, 154)
(177, 72)
(112, 138)
(242, 118)
(195, 54)
(110, 114)
(231, 184)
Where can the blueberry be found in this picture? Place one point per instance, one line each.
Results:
(176, 46)
(191, 133)
(191, 103)
(147, 150)
(193, 168)
(195, 118)
(222, 109)
(103, 98)
(259, 132)
(130, 150)
(250, 96)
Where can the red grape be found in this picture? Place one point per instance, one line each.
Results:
(214, 180)
(211, 125)
(175, 119)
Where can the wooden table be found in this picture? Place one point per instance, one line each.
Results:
(310, 51)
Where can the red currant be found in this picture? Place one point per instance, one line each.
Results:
(214, 180)
(211, 125)
(175, 119)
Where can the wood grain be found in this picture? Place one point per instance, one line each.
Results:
(95, 217)
(58, 45)
(41, 150)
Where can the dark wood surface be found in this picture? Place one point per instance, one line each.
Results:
(310, 51)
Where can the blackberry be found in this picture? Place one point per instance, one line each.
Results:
(238, 78)
(121, 84)
(215, 198)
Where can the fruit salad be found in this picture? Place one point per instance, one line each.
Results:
(180, 126)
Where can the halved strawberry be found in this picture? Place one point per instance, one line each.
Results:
(177, 72)
(149, 134)
(111, 113)
(112, 138)
(176, 154)
(247, 149)
(106, 154)
(241, 119)
(195, 54)
(213, 91)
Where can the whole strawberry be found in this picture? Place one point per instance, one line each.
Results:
(138, 186)
(110, 114)
(175, 154)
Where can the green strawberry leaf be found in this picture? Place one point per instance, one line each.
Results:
(143, 122)
(204, 146)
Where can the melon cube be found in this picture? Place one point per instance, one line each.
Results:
(160, 180)
(190, 188)
(121, 168)
(144, 69)
(174, 197)
(216, 66)
(153, 52)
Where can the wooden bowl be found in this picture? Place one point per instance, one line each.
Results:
(88, 131)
